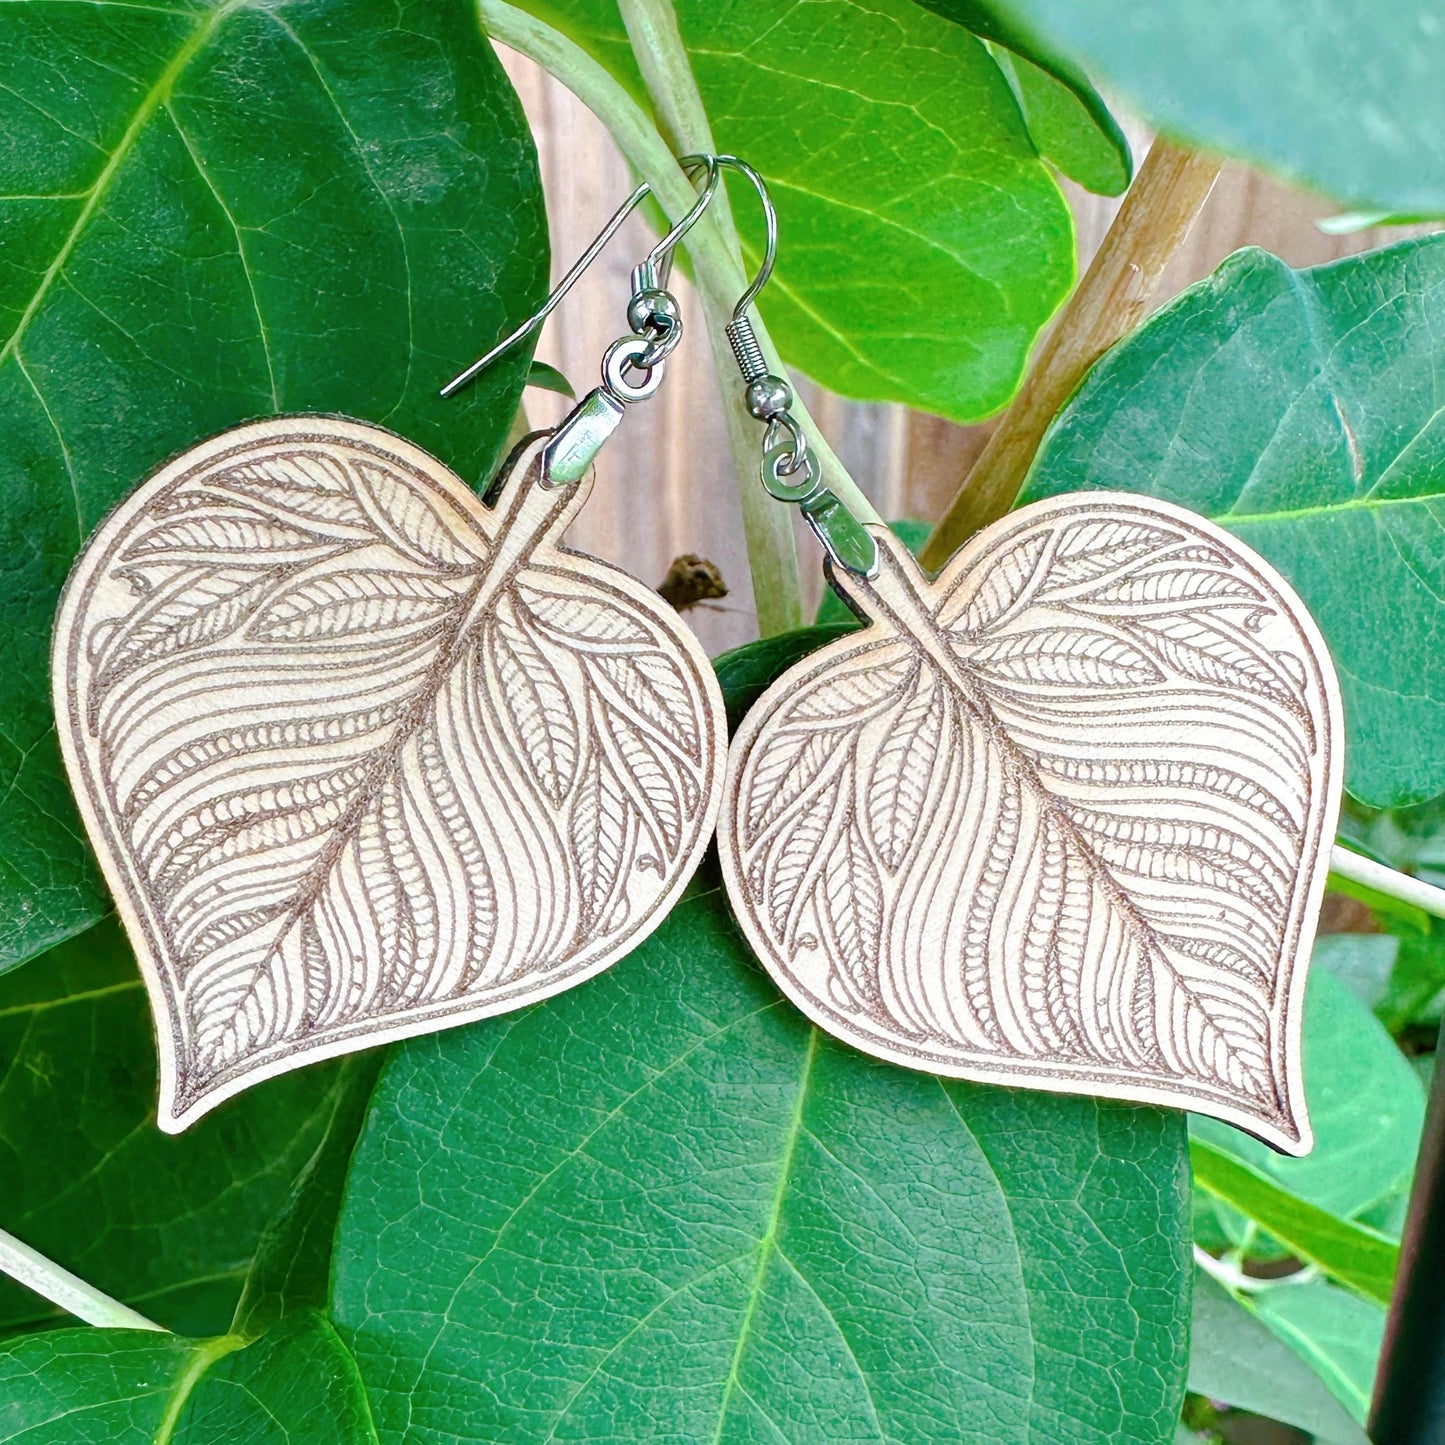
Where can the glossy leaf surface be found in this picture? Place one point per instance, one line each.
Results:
(1299, 409)
(129, 1387)
(1343, 98)
(665, 1198)
(169, 1225)
(924, 243)
(209, 213)
(1236, 1358)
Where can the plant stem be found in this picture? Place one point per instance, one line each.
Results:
(68, 1291)
(1381, 879)
(1167, 194)
(718, 270)
(772, 552)
(1236, 1281)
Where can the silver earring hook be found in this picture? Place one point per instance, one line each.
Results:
(770, 220)
(790, 471)
(658, 262)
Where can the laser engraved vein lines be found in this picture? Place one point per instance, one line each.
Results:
(358, 752)
(1055, 818)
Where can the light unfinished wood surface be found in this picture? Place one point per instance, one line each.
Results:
(362, 758)
(1059, 819)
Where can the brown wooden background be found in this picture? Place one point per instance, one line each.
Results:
(665, 483)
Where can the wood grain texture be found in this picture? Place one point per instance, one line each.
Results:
(1060, 819)
(363, 757)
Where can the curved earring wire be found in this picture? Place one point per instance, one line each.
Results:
(659, 259)
(770, 219)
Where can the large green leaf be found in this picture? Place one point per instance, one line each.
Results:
(1301, 410)
(210, 212)
(128, 1387)
(169, 1224)
(1344, 97)
(665, 1203)
(923, 243)
(1234, 1357)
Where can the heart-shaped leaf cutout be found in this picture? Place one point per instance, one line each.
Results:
(1058, 819)
(363, 757)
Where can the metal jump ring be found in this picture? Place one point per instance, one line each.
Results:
(627, 353)
(786, 438)
(781, 464)
(661, 341)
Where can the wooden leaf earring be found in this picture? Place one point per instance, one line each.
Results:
(1058, 818)
(363, 757)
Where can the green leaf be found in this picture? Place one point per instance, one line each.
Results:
(1347, 223)
(548, 378)
(297, 1383)
(1345, 100)
(924, 245)
(96, 1387)
(1365, 1103)
(209, 213)
(1094, 135)
(168, 1224)
(129, 1387)
(1356, 1256)
(1065, 132)
(1416, 990)
(1300, 410)
(666, 1198)
(1361, 961)
(1335, 1332)
(1234, 1357)
(292, 1263)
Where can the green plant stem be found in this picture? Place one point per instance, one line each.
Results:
(718, 270)
(68, 1291)
(1359, 869)
(772, 551)
(1234, 1279)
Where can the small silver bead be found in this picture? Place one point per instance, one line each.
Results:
(768, 396)
(653, 310)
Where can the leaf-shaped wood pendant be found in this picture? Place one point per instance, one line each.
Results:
(363, 757)
(1059, 819)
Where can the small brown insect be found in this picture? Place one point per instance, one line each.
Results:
(692, 579)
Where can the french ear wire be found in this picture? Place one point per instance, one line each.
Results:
(790, 471)
(652, 311)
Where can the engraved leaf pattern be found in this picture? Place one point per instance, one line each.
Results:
(365, 756)
(1056, 818)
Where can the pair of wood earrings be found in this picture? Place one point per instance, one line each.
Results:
(364, 757)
